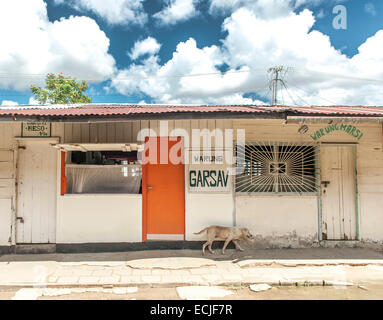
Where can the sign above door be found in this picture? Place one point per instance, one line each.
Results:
(349, 129)
(36, 129)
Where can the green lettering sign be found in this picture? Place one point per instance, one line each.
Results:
(349, 129)
(213, 174)
(36, 129)
(202, 179)
(192, 179)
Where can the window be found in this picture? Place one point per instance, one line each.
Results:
(104, 172)
(276, 168)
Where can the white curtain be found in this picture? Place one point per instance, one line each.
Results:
(104, 179)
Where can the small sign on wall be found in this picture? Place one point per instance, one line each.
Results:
(209, 171)
(36, 129)
(209, 178)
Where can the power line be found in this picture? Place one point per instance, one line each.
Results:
(288, 92)
(250, 70)
(278, 74)
(338, 75)
(242, 90)
(299, 97)
(314, 94)
(24, 75)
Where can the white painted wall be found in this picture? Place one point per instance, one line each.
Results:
(99, 218)
(203, 210)
(5, 221)
(371, 216)
(278, 216)
(205, 206)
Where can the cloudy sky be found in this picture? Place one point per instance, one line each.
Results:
(196, 51)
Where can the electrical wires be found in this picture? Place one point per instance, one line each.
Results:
(249, 86)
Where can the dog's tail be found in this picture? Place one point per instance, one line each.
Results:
(201, 231)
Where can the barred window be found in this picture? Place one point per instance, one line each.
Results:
(276, 168)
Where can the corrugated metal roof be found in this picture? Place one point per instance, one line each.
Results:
(103, 110)
(106, 110)
(343, 110)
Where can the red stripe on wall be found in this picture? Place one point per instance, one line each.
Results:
(63, 176)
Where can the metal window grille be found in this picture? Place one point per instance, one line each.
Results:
(277, 168)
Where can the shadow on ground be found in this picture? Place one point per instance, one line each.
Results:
(231, 254)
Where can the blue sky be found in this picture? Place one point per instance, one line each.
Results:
(150, 51)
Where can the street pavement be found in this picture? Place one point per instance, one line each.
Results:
(177, 268)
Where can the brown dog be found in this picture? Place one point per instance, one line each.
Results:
(226, 234)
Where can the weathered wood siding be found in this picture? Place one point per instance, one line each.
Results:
(7, 179)
(120, 132)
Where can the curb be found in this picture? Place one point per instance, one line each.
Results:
(280, 283)
(308, 263)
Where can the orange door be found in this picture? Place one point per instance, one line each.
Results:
(163, 191)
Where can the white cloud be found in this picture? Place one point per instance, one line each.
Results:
(288, 41)
(9, 103)
(320, 75)
(285, 40)
(177, 11)
(166, 87)
(33, 45)
(116, 12)
(263, 8)
(370, 8)
(147, 46)
(321, 14)
(33, 101)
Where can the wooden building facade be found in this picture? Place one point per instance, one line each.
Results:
(294, 176)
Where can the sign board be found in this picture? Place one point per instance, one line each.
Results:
(36, 129)
(209, 178)
(349, 129)
(209, 173)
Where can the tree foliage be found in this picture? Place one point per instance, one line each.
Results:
(61, 90)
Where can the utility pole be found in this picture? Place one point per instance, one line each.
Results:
(274, 82)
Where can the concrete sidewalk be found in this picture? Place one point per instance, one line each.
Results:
(175, 268)
(344, 253)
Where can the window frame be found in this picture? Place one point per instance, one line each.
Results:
(70, 148)
(271, 144)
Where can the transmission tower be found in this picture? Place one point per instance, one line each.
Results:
(276, 71)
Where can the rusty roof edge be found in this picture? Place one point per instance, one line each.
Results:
(337, 118)
(142, 116)
(91, 111)
(135, 105)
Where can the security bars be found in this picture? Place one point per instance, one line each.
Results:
(277, 167)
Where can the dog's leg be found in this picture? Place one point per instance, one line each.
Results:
(210, 244)
(225, 245)
(204, 246)
(237, 246)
